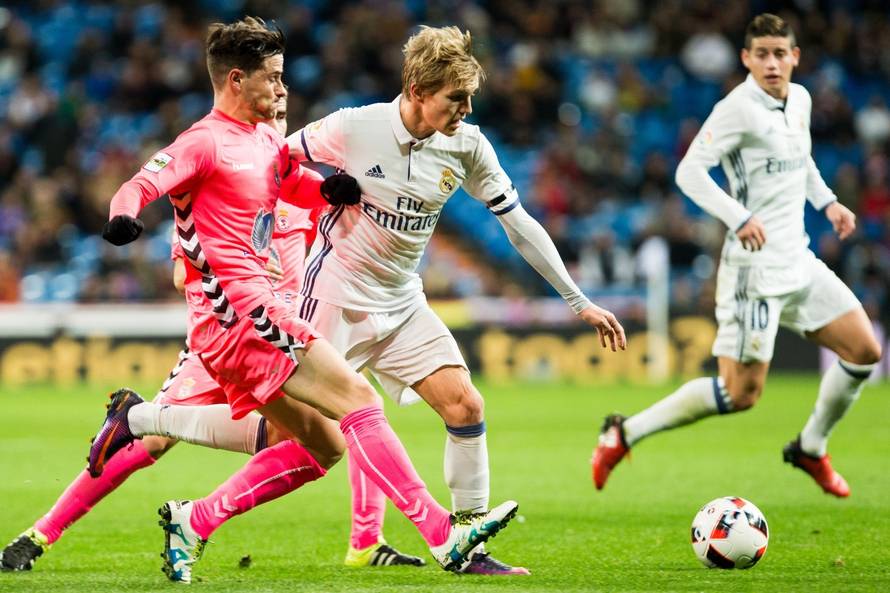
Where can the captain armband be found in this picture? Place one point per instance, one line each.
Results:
(504, 202)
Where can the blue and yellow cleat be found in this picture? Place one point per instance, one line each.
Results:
(469, 531)
(182, 546)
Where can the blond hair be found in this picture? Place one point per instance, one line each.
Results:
(437, 56)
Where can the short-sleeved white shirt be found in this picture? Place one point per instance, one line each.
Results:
(365, 257)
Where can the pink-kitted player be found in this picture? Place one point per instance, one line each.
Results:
(190, 384)
(224, 176)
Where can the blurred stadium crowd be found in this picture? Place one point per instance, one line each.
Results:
(590, 104)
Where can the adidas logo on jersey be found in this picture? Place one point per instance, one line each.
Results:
(375, 171)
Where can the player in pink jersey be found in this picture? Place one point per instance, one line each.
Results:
(224, 175)
(189, 384)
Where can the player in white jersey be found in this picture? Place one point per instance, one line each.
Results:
(767, 276)
(361, 289)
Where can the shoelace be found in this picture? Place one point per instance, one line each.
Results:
(466, 517)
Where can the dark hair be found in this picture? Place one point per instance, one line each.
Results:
(243, 44)
(768, 25)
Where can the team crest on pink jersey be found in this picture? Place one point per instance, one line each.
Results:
(261, 235)
(282, 220)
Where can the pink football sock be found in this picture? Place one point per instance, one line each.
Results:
(84, 492)
(271, 473)
(368, 508)
(383, 459)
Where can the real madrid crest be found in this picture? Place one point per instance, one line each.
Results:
(448, 182)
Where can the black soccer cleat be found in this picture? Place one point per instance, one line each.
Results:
(23, 551)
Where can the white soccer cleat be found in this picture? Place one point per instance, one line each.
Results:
(182, 546)
(468, 532)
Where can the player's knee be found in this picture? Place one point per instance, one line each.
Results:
(362, 395)
(327, 458)
(868, 352)
(275, 435)
(465, 409)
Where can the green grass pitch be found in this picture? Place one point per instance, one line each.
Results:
(634, 536)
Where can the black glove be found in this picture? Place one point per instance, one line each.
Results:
(341, 188)
(122, 229)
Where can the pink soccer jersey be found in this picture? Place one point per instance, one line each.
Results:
(232, 173)
(189, 382)
(295, 229)
(224, 178)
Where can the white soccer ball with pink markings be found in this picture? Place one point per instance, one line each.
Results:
(729, 532)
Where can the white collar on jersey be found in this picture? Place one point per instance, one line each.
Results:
(398, 126)
(768, 100)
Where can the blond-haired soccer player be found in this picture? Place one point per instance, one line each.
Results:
(224, 175)
(760, 134)
(362, 291)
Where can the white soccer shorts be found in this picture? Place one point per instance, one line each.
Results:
(749, 310)
(400, 347)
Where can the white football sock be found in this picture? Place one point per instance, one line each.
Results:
(840, 387)
(694, 400)
(466, 468)
(209, 426)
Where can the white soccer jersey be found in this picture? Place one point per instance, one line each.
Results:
(365, 257)
(764, 146)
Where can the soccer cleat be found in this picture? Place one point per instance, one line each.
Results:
(380, 554)
(611, 448)
(23, 551)
(182, 546)
(115, 432)
(819, 469)
(468, 531)
(484, 563)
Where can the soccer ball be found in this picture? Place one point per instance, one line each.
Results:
(729, 532)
